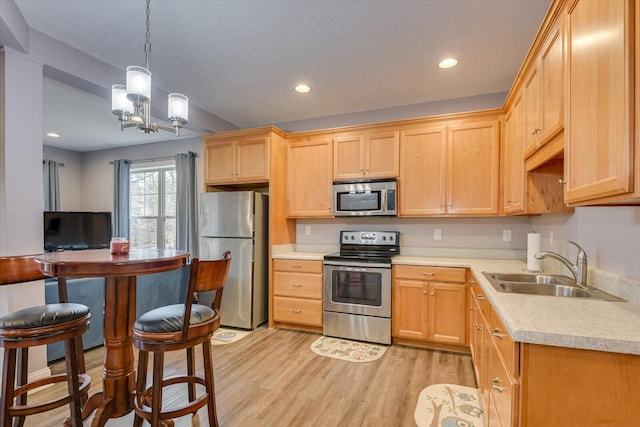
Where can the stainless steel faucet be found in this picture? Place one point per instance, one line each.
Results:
(579, 270)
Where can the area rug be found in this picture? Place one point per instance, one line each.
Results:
(227, 336)
(448, 405)
(352, 351)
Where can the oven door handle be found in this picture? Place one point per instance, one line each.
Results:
(357, 267)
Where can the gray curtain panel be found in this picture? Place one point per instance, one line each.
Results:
(51, 185)
(186, 203)
(121, 170)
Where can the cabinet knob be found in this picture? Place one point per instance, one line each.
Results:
(432, 293)
(494, 385)
(478, 326)
(472, 308)
(472, 281)
(480, 297)
(496, 333)
(562, 181)
(296, 285)
(424, 292)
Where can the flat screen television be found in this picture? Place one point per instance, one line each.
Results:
(76, 230)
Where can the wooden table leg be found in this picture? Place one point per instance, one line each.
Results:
(118, 379)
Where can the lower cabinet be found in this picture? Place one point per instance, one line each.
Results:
(495, 361)
(429, 304)
(297, 292)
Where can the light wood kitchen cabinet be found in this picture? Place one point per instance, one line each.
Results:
(429, 304)
(473, 169)
(450, 170)
(543, 92)
(297, 292)
(366, 155)
(495, 361)
(236, 159)
(309, 178)
(599, 150)
(514, 172)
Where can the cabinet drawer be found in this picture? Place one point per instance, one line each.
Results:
(300, 266)
(295, 310)
(481, 299)
(432, 274)
(503, 393)
(299, 285)
(504, 343)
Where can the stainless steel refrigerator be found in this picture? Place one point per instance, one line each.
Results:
(238, 221)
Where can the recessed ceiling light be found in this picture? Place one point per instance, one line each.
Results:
(448, 63)
(302, 88)
(53, 135)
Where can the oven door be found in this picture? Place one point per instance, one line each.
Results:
(357, 289)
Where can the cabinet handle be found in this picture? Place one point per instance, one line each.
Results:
(536, 131)
(297, 311)
(494, 385)
(478, 327)
(296, 266)
(451, 206)
(296, 285)
(496, 333)
(424, 273)
(562, 181)
(472, 308)
(480, 297)
(472, 281)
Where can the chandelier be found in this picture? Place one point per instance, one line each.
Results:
(131, 103)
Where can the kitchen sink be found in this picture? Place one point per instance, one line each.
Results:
(543, 284)
(547, 279)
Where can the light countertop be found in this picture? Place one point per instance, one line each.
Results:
(557, 321)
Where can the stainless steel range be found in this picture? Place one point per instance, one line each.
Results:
(357, 286)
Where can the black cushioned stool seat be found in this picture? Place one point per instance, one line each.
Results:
(36, 326)
(171, 318)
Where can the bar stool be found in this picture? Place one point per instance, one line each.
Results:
(165, 329)
(37, 326)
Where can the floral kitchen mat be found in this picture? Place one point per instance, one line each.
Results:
(449, 405)
(352, 351)
(227, 336)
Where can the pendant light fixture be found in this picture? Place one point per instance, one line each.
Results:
(131, 103)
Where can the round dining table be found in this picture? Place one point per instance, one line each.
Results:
(120, 271)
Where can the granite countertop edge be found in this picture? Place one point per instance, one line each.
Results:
(563, 322)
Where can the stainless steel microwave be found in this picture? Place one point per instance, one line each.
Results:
(364, 197)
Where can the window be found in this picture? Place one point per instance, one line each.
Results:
(152, 211)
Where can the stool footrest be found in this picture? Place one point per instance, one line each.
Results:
(24, 410)
(144, 407)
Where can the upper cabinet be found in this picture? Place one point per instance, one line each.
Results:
(599, 149)
(514, 173)
(309, 177)
(366, 155)
(450, 169)
(236, 157)
(543, 92)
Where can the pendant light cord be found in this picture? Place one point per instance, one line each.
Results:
(147, 43)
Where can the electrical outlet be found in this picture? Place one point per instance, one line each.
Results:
(506, 235)
(437, 234)
(551, 237)
(307, 230)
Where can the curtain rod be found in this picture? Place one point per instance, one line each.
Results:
(58, 163)
(156, 159)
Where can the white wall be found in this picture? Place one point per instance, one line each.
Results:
(418, 232)
(609, 235)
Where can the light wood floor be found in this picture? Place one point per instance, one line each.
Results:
(272, 378)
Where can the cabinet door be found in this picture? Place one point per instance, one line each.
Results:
(219, 160)
(552, 87)
(382, 155)
(422, 172)
(348, 160)
(514, 172)
(409, 309)
(599, 145)
(447, 313)
(252, 160)
(309, 183)
(531, 94)
(473, 169)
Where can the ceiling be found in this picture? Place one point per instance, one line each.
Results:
(241, 59)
